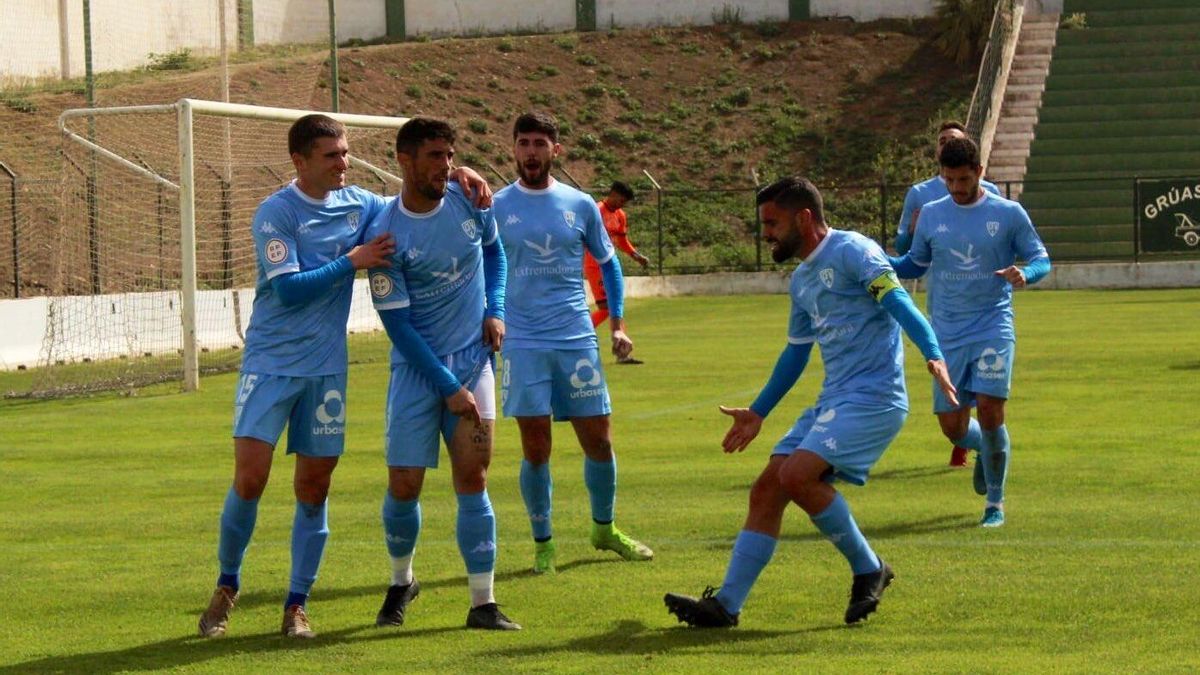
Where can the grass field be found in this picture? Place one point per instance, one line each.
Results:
(109, 508)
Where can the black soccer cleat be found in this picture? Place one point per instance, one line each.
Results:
(489, 617)
(396, 604)
(702, 612)
(867, 591)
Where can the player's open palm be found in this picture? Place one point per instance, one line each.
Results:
(462, 403)
(937, 368)
(375, 253)
(746, 425)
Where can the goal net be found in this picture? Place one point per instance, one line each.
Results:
(155, 267)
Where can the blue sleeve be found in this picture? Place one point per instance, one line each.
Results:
(614, 286)
(1036, 270)
(899, 304)
(791, 363)
(904, 229)
(991, 187)
(297, 288)
(414, 348)
(495, 276)
(906, 268)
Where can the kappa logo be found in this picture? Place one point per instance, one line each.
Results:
(543, 253)
(268, 228)
(569, 217)
(586, 374)
(512, 220)
(352, 220)
(830, 443)
(276, 251)
(993, 227)
(827, 277)
(942, 229)
(332, 409)
(381, 285)
(990, 360)
(413, 253)
(966, 261)
(453, 275)
(485, 546)
(468, 228)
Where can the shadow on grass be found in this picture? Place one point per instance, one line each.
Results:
(1195, 365)
(185, 651)
(950, 521)
(915, 472)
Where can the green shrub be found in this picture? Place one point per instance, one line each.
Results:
(962, 26)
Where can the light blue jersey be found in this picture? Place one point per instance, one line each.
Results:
(833, 305)
(545, 233)
(294, 233)
(437, 270)
(964, 246)
(918, 196)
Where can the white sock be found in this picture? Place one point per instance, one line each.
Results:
(998, 505)
(481, 588)
(402, 571)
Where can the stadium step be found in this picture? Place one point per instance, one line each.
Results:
(1143, 16)
(1159, 48)
(1151, 79)
(1114, 113)
(1119, 145)
(1117, 129)
(1092, 250)
(1086, 198)
(1121, 96)
(1127, 34)
(1072, 6)
(1121, 64)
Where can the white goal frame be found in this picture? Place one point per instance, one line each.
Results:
(185, 110)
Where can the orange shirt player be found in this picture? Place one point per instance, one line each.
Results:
(618, 231)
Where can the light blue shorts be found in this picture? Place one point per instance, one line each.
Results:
(312, 408)
(564, 382)
(417, 413)
(850, 436)
(977, 368)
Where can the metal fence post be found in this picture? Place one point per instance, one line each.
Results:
(333, 56)
(658, 189)
(1137, 217)
(757, 234)
(16, 246)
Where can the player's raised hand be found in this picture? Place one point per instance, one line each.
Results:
(375, 253)
(937, 368)
(746, 425)
(493, 333)
(1013, 275)
(462, 403)
(622, 346)
(474, 186)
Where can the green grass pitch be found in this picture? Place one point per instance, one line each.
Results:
(109, 508)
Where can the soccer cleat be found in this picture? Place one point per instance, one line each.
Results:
(396, 603)
(958, 456)
(489, 617)
(215, 620)
(993, 516)
(543, 557)
(703, 612)
(980, 481)
(608, 538)
(295, 623)
(867, 591)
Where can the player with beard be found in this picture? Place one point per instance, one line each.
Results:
(845, 297)
(551, 355)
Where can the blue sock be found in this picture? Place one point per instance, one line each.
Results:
(310, 531)
(973, 438)
(994, 454)
(237, 524)
(477, 532)
(401, 525)
(751, 553)
(836, 523)
(601, 481)
(295, 598)
(536, 488)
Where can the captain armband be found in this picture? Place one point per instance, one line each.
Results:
(882, 285)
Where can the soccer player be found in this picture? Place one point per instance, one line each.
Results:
(971, 240)
(442, 303)
(551, 356)
(309, 239)
(918, 196)
(845, 297)
(617, 226)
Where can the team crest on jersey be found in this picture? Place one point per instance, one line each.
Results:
(276, 251)
(468, 228)
(993, 227)
(352, 220)
(827, 277)
(381, 285)
(569, 216)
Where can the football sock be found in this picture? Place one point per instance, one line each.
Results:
(601, 481)
(751, 553)
(994, 453)
(477, 543)
(836, 523)
(972, 439)
(310, 531)
(237, 524)
(401, 525)
(536, 488)
(598, 317)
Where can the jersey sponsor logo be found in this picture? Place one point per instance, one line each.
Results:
(332, 411)
(966, 261)
(993, 227)
(882, 285)
(544, 253)
(381, 285)
(276, 251)
(585, 378)
(569, 217)
(991, 364)
(352, 219)
(826, 276)
(453, 275)
(468, 228)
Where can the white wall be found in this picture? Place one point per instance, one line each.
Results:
(870, 10)
(634, 13)
(29, 38)
(467, 17)
(284, 21)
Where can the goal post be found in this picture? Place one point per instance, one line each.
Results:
(158, 283)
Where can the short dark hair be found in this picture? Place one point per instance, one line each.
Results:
(622, 189)
(420, 129)
(959, 152)
(306, 130)
(952, 124)
(794, 193)
(536, 122)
